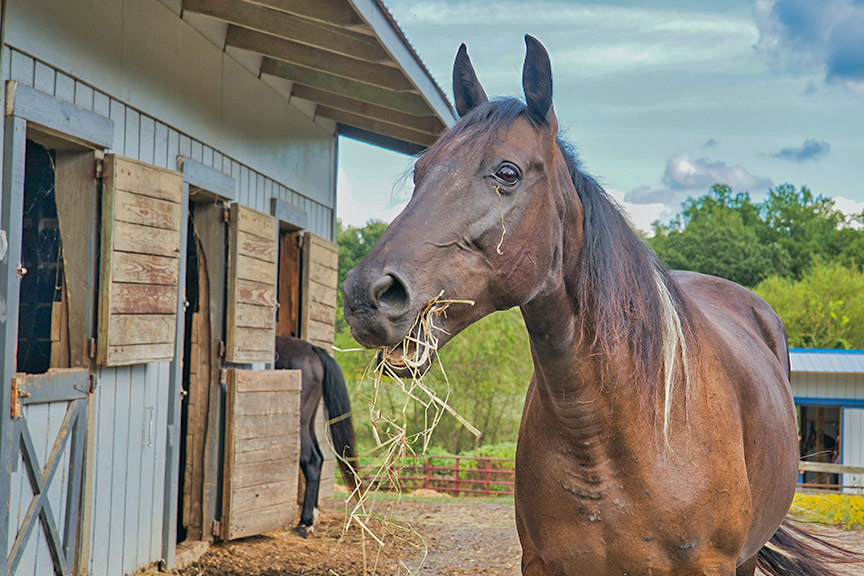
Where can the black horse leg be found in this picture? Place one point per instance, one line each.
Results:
(311, 461)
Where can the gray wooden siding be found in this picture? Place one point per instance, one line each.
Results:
(141, 53)
(825, 385)
(142, 137)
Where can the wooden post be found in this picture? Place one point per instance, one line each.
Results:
(457, 477)
(427, 472)
(486, 469)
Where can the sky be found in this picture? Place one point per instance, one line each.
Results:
(660, 98)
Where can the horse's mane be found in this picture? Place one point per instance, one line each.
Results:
(626, 300)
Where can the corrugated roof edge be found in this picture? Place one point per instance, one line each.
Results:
(825, 351)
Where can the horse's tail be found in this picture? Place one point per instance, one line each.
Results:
(795, 551)
(339, 413)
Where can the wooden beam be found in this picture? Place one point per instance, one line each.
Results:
(402, 101)
(336, 12)
(315, 59)
(290, 27)
(395, 144)
(391, 130)
(429, 124)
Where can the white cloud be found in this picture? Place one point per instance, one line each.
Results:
(850, 208)
(356, 212)
(685, 173)
(641, 215)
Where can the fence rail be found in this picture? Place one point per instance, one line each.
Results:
(469, 475)
(459, 475)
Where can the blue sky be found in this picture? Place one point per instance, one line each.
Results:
(661, 99)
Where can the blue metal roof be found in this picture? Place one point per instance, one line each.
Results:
(826, 361)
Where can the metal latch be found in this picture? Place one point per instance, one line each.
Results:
(17, 394)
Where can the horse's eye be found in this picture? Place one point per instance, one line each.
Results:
(507, 174)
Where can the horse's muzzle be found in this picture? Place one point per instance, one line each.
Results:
(377, 309)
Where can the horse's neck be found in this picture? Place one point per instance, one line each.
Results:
(572, 385)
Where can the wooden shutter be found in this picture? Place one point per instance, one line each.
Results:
(262, 451)
(251, 320)
(318, 318)
(141, 226)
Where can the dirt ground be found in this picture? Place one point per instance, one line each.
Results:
(463, 536)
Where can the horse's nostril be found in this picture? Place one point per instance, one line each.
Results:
(388, 291)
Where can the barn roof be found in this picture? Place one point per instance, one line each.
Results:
(348, 57)
(826, 361)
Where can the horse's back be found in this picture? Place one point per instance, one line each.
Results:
(742, 345)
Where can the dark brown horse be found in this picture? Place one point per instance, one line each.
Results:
(658, 435)
(322, 377)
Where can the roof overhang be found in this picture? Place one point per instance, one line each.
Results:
(347, 57)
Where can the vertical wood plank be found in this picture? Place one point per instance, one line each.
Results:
(160, 148)
(147, 140)
(43, 78)
(64, 87)
(133, 119)
(118, 115)
(120, 455)
(134, 457)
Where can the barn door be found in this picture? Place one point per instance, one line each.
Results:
(141, 226)
(318, 292)
(251, 317)
(262, 451)
(49, 413)
(852, 449)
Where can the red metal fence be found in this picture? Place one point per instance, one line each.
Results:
(466, 475)
(459, 475)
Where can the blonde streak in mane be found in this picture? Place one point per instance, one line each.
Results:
(673, 338)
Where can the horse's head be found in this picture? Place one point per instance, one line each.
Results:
(486, 222)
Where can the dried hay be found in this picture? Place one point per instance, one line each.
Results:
(379, 519)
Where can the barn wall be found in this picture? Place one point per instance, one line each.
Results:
(103, 55)
(140, 53)
(829, 386)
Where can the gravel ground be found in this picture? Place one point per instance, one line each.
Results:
(463, 536)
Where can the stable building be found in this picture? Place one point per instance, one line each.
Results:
(169, 208)
(828, 386)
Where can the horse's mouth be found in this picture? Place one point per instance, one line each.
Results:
(404, 360)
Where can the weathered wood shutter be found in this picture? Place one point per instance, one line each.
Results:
(141, 226)
(262, 451)
(251, 319)
(318, 318)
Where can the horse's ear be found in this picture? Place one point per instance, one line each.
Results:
(537, 82)
(467, 90)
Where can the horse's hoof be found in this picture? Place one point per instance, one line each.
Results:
(300, 530)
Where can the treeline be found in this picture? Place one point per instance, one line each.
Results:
(794, 248)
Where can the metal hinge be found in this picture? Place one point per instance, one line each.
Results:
(100, 166)
(221, 349)
(226, 214)
(91, 351)
(217, 529)
(223, 376)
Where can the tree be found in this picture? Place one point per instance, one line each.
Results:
(721, 234)
(823, 309)
(729, 235)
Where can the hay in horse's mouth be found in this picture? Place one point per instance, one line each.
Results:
(417, 349)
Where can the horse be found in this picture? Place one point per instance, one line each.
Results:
(321, 376)
(658, 434)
